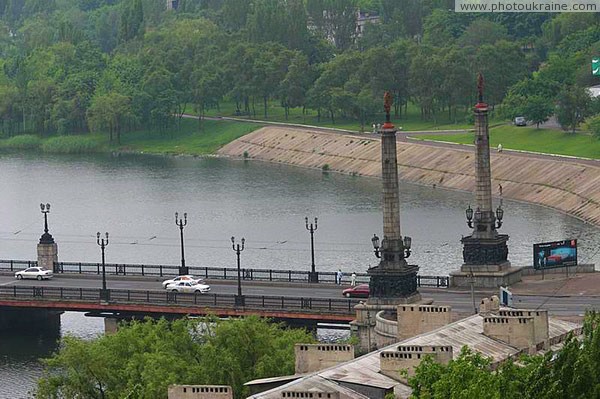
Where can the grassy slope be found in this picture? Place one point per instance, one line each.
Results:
(188, 139)
(531, 139)
(276, 113)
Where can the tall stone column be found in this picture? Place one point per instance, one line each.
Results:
(485, 253)
(393, 280)
(485, 226)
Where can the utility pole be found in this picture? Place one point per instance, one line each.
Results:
(472, 283)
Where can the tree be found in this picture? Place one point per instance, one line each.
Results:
(482, 31)
(110, 112)
(144, 358)
(573, 107)
(570, 372)
(537, 109)
(593, 124)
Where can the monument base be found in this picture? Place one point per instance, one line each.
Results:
(364, 327)
(485, 251)
(484, 278)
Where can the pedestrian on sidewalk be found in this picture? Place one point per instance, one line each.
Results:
(499, 147)
(338, 277)
(353, 279)
(500, 189)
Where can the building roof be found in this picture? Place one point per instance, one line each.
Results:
(365, 370)
(313, 383)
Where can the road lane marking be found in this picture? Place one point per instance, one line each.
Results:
(8, 283)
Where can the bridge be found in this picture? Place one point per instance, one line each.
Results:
(291, 306)
(284, 295)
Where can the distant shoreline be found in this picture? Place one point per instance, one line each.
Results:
(565, 185)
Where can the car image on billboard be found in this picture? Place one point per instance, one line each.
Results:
(548, 255)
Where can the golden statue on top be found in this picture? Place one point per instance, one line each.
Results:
(387, 102)
(480, 86)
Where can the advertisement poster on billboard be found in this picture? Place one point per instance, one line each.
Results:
(548, 255)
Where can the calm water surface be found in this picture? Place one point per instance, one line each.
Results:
(134, 198)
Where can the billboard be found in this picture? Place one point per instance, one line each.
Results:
(548, 255)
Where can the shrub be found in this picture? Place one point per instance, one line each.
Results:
(593, 125)
(246, 155)
(71, 145)
(325, 167)
(22, 142)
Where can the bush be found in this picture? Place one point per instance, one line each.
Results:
(325, 167)
(22, 142)
(71, 145)
(593, 125)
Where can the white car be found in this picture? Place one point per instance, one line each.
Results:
(39, 273)
(177, 279)
(188, 287)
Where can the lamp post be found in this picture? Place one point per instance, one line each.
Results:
(239, 298)
(313, 276)
(406, 244)
(477, 216)
(182, 223)
(103, 243)
(46, 237)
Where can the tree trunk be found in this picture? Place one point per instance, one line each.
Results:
(265, 100)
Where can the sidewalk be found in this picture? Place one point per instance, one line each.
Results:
(583, 284)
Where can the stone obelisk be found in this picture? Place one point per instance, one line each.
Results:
(485, 253)
(393, 281)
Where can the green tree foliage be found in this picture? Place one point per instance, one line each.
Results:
(538, 109)
(593, 125)
(132, 19)
(573, 107)
(59, 55)
(569, 373)
(143, 358)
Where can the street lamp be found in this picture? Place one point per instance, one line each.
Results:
(239, 299)
(499, 216)
(182, 223)
(46, 237)
(375, 241)
(313, 276)
(406, 243)
(469, 214)
(103, 243)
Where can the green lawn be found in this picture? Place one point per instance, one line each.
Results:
(276, 113)
(530, 139)
(188, 139)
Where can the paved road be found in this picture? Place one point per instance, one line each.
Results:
(459, 300)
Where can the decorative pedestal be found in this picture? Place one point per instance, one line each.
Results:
(393, 287)
(486, 264)
(48, 256)
(492, 252)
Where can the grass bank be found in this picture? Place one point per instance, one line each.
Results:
(412, 121)
(189, 138)
(530, 139)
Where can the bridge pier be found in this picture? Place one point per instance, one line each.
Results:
(29, 319)
(111, 325)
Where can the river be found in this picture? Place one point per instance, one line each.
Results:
(134, 198)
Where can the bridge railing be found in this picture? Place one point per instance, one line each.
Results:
(162, 298)
(213, 273)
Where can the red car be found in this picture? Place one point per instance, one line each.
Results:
(360, 291)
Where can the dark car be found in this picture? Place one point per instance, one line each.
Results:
(360, 291)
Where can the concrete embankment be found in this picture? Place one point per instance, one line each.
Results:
(563, 184)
